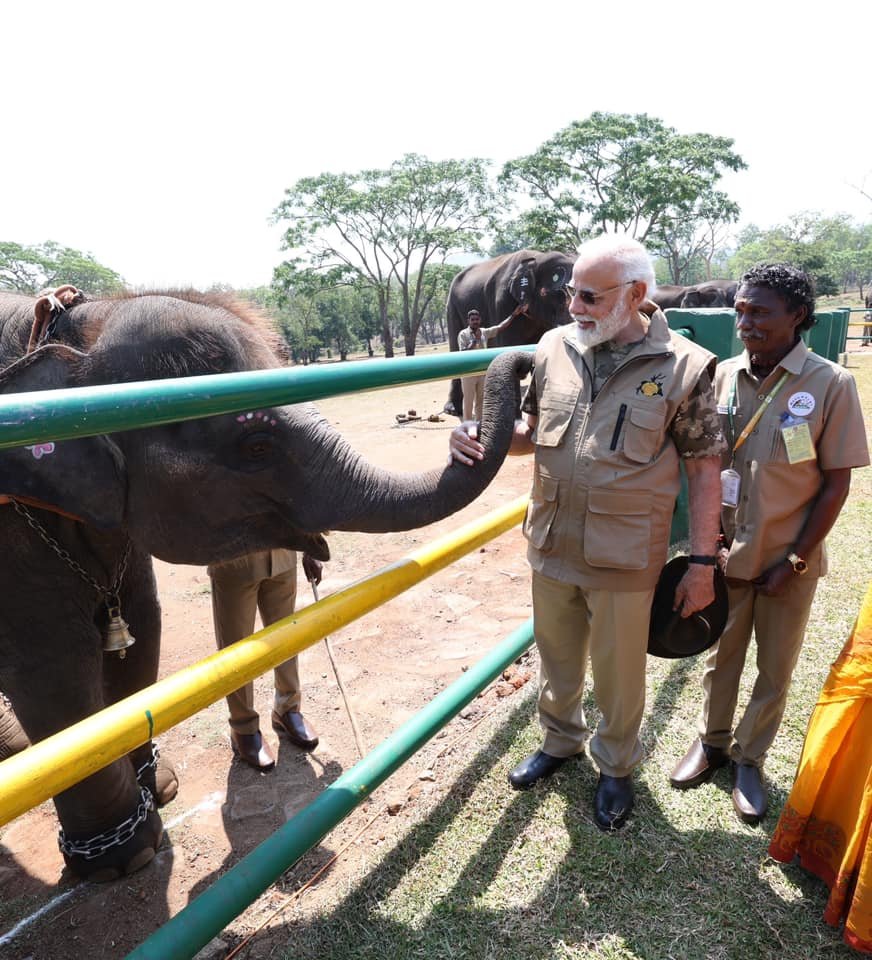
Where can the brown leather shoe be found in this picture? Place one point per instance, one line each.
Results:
(698, 765)
(750, 797)
(293, 725)
(252, 749)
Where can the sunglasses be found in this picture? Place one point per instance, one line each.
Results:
(589, 297)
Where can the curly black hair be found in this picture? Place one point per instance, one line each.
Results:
(793, 285)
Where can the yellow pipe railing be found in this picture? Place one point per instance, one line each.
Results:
(56, 763)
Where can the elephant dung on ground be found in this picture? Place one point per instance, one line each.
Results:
(496, 287)
(81, 518)
(712, 293)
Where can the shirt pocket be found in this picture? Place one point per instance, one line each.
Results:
(555, 412)
(541, 511)
(617, 529)
(643, 434)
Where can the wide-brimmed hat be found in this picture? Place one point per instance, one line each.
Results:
(671, 635)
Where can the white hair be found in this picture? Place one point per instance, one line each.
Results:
(633, 259)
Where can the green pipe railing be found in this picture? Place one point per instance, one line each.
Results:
(27, 418)
(192, 928)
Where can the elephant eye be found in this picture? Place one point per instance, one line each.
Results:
(256, 449)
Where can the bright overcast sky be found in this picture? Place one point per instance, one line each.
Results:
(159, 137)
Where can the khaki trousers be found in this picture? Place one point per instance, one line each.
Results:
(570, 624)
(779, 625)
(473, 396)
(236, 596)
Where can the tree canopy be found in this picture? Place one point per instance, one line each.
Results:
(30, 269)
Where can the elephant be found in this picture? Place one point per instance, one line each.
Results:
(867, 321)
(668, 295)
(81, 519)
(712, 293)
(496, 287)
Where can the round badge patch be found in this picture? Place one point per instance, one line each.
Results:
(800, 404)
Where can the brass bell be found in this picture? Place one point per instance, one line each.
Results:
(116, 637)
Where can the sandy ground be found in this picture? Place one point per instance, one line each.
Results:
(391, 661)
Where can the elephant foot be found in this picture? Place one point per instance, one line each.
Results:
(166, 783)
(117, 860)
(12, 738)
(451, 410)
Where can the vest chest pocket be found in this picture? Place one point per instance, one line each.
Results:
(643, 434)
(617, 529)
(555, 412)
(541, 511)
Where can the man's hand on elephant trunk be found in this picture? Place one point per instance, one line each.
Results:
(463, 445)
(312, 568)
(695, 591)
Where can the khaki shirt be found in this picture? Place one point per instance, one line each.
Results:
(254, 567)
(606, 468)
(466, 341)
(776, 496)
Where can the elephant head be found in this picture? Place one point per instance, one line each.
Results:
(713, 293)
(195, 492)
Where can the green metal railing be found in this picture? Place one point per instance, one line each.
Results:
(27, 418)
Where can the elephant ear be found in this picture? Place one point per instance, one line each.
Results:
(522, 283)
(556, 279)
(84, 478)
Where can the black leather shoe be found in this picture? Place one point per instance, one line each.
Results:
(750, 797)
(293, 725)
(612, 802)
(253, 750)
(698, 765)
(534, 768)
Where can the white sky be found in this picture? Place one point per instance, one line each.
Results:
(159, 137)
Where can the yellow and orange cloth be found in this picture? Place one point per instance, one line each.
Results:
(827, 819)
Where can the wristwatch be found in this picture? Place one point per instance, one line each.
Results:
(799, 565)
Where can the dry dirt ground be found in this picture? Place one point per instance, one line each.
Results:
(391, 661)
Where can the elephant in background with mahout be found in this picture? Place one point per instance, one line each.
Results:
(496, 288)
(195, 492)
(712, 293)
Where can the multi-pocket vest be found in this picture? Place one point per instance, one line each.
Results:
(606, 471)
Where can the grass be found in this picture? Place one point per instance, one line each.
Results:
(486, 872)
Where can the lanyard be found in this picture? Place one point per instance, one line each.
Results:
(749, 426)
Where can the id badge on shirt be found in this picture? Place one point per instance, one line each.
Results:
(731, 483)
(797, 440)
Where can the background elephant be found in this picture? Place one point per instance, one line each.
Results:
(712, 293)
(496, 287)
(669, 295)
(196, 493)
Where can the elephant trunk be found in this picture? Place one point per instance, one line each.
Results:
(378, 501)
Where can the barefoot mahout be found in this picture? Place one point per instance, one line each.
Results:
(82, 518)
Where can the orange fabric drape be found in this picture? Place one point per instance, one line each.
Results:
(827, 818)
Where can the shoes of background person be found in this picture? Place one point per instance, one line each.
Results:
(698, 765)
(253, 750)
(750, 797)
(292, 724)
(534, 768)
(613, 801)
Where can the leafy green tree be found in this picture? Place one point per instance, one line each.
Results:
(618, 173)
(30, 269)
(384, 228)
(690, 245)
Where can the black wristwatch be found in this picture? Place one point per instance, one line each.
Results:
(705, 560)
(799, 565)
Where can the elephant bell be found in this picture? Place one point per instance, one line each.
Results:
(116, 637)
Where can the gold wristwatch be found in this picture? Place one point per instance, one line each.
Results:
(799, 565)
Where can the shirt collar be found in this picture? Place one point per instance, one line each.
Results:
(792, 362)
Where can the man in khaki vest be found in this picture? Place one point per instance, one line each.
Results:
(795, 430)
(264, 581)
(615, 403)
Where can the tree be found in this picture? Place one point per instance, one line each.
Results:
(690, 245)
(618, 173)
(30, 269)
(383, 228)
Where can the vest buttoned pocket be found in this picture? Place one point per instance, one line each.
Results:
(643, 434)
(555, 412)
(541, 511)
(617, 529)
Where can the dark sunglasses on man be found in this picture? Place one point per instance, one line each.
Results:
(590, 298)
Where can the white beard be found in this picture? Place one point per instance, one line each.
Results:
(605, 329)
